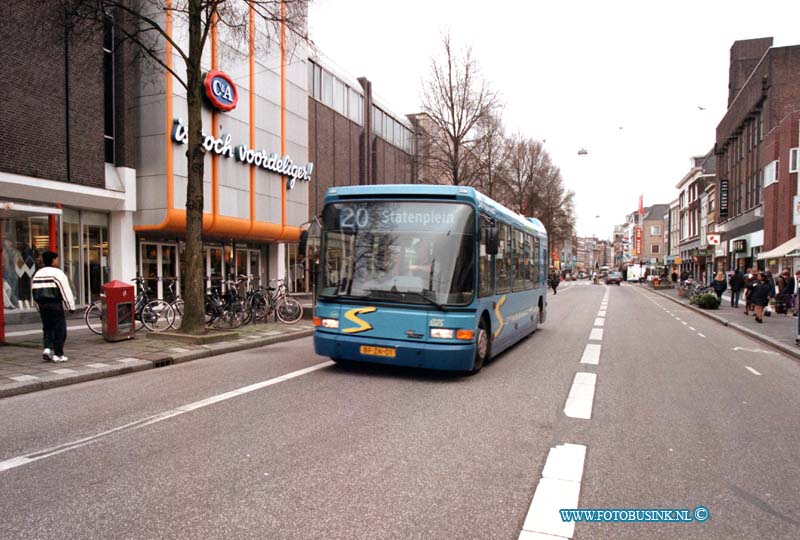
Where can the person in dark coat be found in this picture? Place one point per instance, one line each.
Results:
(554, 281)
(785, 292)
(749, 278)
(674, 277)
(759, 295)
(719, 285)
(737, 284)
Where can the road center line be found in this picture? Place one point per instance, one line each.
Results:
(559, 487)
(751, 370)
(142, 422)
(596, 334)
(599, 321)
(581, 396)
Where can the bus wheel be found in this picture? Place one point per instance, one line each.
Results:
(482, 348)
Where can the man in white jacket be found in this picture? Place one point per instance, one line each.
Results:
(52, 293)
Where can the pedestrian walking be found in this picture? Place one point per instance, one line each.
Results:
(737, 284)
(719, 285)
(554, 280)
(52, 294)
(785, 297)
(759, 295)
(749, 278)
(674, 277)
(795, 299)
(773, 292)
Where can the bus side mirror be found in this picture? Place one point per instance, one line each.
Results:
(491, 241)
(303, 242)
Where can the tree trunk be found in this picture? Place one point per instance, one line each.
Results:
(194, 283)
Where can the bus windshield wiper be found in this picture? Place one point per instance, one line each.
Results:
(401, 295)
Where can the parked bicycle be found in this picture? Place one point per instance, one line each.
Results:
(282, 306)
(156, 315)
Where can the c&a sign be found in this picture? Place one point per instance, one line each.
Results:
(220, 90)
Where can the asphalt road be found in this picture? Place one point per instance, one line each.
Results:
(196, 451)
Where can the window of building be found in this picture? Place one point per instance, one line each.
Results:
(759, 187)
(760, 126)
(355, 106)
(771, 173)
(794, 160)
(711, 202)
(655, 230)
(327, 88)
(339, 97)
(317, 82)
(655, 249)
(108, 89)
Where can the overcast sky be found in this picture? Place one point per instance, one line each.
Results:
(571, 73)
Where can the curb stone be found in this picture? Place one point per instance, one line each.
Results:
(17, 388)
(775, 344)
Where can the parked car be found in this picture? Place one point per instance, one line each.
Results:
(614, 277)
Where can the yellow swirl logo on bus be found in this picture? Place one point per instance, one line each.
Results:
(499, 315)
(352, 316)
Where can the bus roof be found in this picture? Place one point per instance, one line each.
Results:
(484, 203)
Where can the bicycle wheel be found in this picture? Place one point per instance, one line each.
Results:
(93, 317)
(259, 306)
(158, 316)
(177, 305)
(289, 310)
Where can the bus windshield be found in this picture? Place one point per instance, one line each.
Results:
(399, 251)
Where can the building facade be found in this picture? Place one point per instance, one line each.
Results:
(67, 154)
(764, 90)
(692, 243)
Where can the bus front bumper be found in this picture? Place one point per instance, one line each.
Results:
(440, 356)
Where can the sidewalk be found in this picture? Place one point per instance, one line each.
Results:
(778, 331)
(22, 369)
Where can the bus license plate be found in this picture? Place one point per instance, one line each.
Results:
(378, 351)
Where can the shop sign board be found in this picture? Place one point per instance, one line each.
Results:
(638, 240)
(260, 158)
(723, 198)
(739, 246)
(220, 90)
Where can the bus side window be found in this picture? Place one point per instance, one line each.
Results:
(536, 263)
(485, 262)
(503, 260)
(528, 262)
(518, 260)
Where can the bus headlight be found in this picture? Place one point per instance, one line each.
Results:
(326, 323)
(442, 333)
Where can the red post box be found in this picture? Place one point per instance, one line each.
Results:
(118, 311)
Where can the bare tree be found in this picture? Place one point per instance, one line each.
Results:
(487, 155)
(455, 98)
(145, 24)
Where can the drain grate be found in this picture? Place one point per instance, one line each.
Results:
(165, 362)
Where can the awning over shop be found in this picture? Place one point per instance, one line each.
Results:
(787, 249)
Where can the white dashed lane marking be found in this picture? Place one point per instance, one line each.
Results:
(591, 354)
(581, 396)
(751, 370)
(596, 334)
(559, 487)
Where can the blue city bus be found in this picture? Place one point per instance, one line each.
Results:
(438, 277)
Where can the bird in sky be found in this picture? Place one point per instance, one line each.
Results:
(701, 108)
